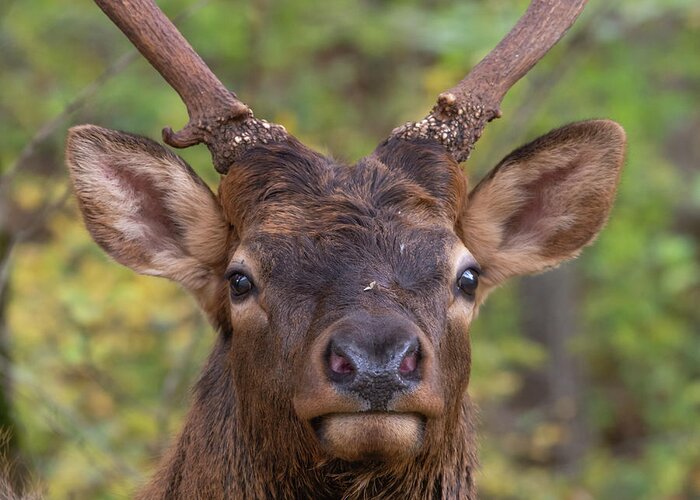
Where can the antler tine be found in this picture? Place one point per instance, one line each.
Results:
(462, 112)
(217, 117)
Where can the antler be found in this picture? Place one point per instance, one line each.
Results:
(462, 112)
(217, 117)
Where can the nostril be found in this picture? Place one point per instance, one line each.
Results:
(409, 364)
(339, 364)
(376, 358)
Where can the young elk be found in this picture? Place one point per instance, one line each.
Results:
(342, 295)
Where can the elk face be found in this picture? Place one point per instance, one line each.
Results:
(348, 292)
(345, 292)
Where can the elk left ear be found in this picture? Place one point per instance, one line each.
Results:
(545, 201)
(146, 207)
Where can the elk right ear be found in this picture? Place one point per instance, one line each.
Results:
(146, 207)
(545, 201)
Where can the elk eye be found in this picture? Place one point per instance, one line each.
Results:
(469, 281)
(240, 284)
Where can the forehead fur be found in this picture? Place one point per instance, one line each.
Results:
(287, 188)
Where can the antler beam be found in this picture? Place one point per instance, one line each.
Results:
(461, 113)
(217, 117)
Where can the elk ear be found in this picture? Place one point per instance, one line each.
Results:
(146, 207)
(545, 201)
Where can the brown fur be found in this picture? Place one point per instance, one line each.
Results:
(313, 234)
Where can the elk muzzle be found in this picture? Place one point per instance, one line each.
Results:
(369, 386)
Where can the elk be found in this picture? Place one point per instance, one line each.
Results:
(341, 294)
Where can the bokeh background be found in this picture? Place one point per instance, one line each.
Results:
(588, 377)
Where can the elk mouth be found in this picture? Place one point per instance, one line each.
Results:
(362, 436)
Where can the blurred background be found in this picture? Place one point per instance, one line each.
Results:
(588, 377)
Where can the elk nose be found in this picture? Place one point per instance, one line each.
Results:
(375, 364)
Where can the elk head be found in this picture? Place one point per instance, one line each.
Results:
(343, 294)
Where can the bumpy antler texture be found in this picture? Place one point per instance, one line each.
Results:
(462, 112)
(217, 117)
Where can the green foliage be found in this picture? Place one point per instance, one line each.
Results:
(103, 359)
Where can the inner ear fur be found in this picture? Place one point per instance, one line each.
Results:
(545, 201)
(147, 208)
